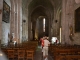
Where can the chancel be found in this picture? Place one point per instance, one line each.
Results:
(24, 22)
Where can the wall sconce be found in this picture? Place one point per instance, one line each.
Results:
(71, 30)
(24, 21)
(71, 33)
(0, 11)
(56, 21)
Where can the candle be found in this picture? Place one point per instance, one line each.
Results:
(60, 34)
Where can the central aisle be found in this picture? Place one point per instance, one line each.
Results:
(38, 54)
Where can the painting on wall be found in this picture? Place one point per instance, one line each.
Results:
(6, 12)
(77, 20)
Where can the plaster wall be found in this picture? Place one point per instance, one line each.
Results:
(5, 29)
(24, 24)
(68, 19)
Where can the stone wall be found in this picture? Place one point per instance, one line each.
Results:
(5, 28)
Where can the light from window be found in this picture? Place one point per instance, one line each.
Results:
(43, 24)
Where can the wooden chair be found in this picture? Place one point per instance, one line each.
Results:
(21, 54)
(29, 54)
(4, 51)
(11, 54)
(16, 52)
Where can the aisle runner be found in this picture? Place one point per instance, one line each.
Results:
(38, 54)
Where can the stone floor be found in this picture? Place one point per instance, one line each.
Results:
(38, 55)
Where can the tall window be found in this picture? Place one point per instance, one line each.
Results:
(43, 24)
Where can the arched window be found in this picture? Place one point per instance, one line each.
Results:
(43, 24)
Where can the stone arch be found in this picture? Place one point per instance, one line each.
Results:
(58, 21)
(48, 5)
(40, 7)
(36, 13)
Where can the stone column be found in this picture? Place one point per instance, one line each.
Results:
(29, 28)
(49, 27)
(18, 20)
(63, 21)
(21, 20)
(54, 24)
(1, 8)
(67, 20)
(12, 21)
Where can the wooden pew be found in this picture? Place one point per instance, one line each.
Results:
(62, 52)
(72, 57)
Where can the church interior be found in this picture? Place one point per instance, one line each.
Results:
(24, 22)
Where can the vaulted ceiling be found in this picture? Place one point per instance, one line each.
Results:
(40, 9)
(37, 3)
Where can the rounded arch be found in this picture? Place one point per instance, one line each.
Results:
(37, 3)
(58, 21)
(38, 8)
(58, 12)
